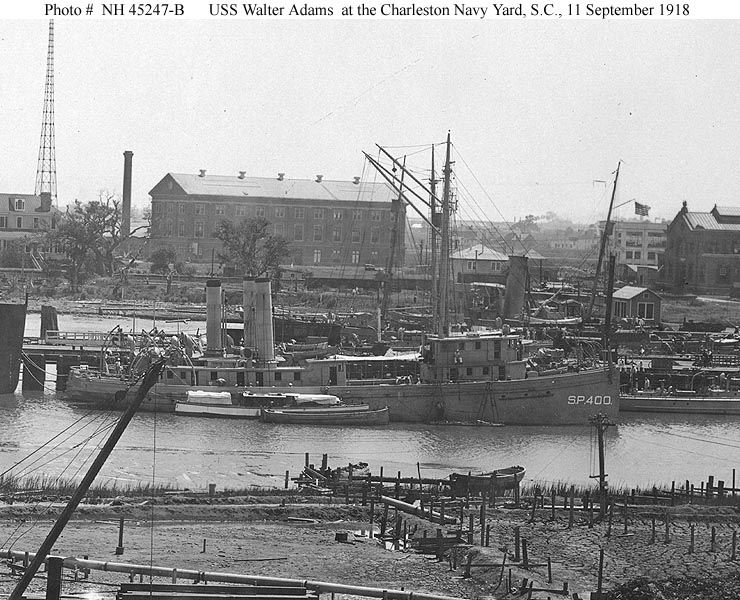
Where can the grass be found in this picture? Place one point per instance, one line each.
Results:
(675, 311)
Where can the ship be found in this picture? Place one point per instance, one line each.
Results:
(456, 376)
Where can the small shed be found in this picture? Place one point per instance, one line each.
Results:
(636, 302)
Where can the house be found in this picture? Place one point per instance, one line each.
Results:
(703, 251)
(632, 302)
(478, 263)
(25, 218)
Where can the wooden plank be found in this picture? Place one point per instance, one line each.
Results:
(205, 596)
(196, 588)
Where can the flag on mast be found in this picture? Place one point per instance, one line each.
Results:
(641, 209)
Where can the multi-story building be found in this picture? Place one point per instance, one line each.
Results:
(326, 222)
(637, 243)
(703, 251)
(26, 218)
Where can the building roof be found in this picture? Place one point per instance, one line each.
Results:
(720, 218)
(480, 252)
(33, 203)
(629, 291)
(273, 188)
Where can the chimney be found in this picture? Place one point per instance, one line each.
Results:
(242, 174)
(319, 178)
(202, 173)
(356, 181)
(250, 318)
(126, 203)
(263, 320)
(214, 342)
(45, 202)
(281, 176)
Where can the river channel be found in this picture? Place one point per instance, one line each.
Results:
(188, 452)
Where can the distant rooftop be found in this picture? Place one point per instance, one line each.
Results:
(720, 218)
(236, 186)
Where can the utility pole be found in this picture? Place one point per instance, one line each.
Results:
(601, 422)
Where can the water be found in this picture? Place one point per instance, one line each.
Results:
(192, 452)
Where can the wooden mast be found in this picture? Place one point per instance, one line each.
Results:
(602, 246)
(388, 280)
(444, 262)
(150, 378)
(433, 247)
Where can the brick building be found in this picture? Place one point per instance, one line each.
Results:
(703, 251)
(325, 222)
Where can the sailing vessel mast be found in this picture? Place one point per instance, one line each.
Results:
(397, 213)
(433, 246)
(602, 246)
(444, 262)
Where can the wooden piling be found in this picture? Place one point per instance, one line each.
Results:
(714, 539)
(119, 548)
(287, 479)
(734, 544)
(307, 459)
(470, 529)
(624, 509)
(488, 536)
(54, 567)
(525, 555)
(609, 524)
(372, 514)
(517, 544)
(552, 504)
(652, 538)
(572, 503)
(324, 463)
(549, 570)
(600, 581)
(691, 540)
(667, 529)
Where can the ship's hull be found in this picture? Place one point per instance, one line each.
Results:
(347, 416)
(566, 399)
(681, 405)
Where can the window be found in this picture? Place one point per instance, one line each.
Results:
(200, 209)
(279, 212)
(260, 211)
(181, 209)
(355, 236)
(278, 376)
(318, 213)
(156, 208)
(297, 376)
(181, 229)
(628, 254)
(316, 257)
(278, 229)
(638, 255)
(357, 215)
(469, 371)
(375, 215)
(486, 370)
(338, 215)
(646, 310)
(318, 233)
(3, 222)
(20, 204)
(219, 209)
(241, 211)
(36, 223)
(477, 345)
(19, 222)
(355, 257)
(170, 207)
(198, 229)
(298, 232)
(337, 234)
(300, 212)
(374, 235)
(335, 256)
(471, 265)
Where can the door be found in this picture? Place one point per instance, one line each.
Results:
(332, 376)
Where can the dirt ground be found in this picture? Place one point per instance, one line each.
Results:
(298, 541)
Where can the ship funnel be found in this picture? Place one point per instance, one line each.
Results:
(263, 320)
(516, 282)
(214, 337)
(250, 339)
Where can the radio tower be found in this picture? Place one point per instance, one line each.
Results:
(46, 171)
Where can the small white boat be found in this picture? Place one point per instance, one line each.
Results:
(206, 403)
(332, 415)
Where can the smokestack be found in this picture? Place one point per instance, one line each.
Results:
(516, 281)
(263, 320)
(126, 205)
(249, 313)
(213, 318)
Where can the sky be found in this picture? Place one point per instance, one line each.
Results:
(540, 113)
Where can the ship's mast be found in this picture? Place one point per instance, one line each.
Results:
(433, 246)
(602, 246)
(444, 262)
(396, 211)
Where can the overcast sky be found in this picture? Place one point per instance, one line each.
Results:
(537, 111)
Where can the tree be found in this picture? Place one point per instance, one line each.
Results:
(250, 248)
(13, 255)
(161, 259)
(90, 234)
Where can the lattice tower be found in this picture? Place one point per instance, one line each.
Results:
(46, 171)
